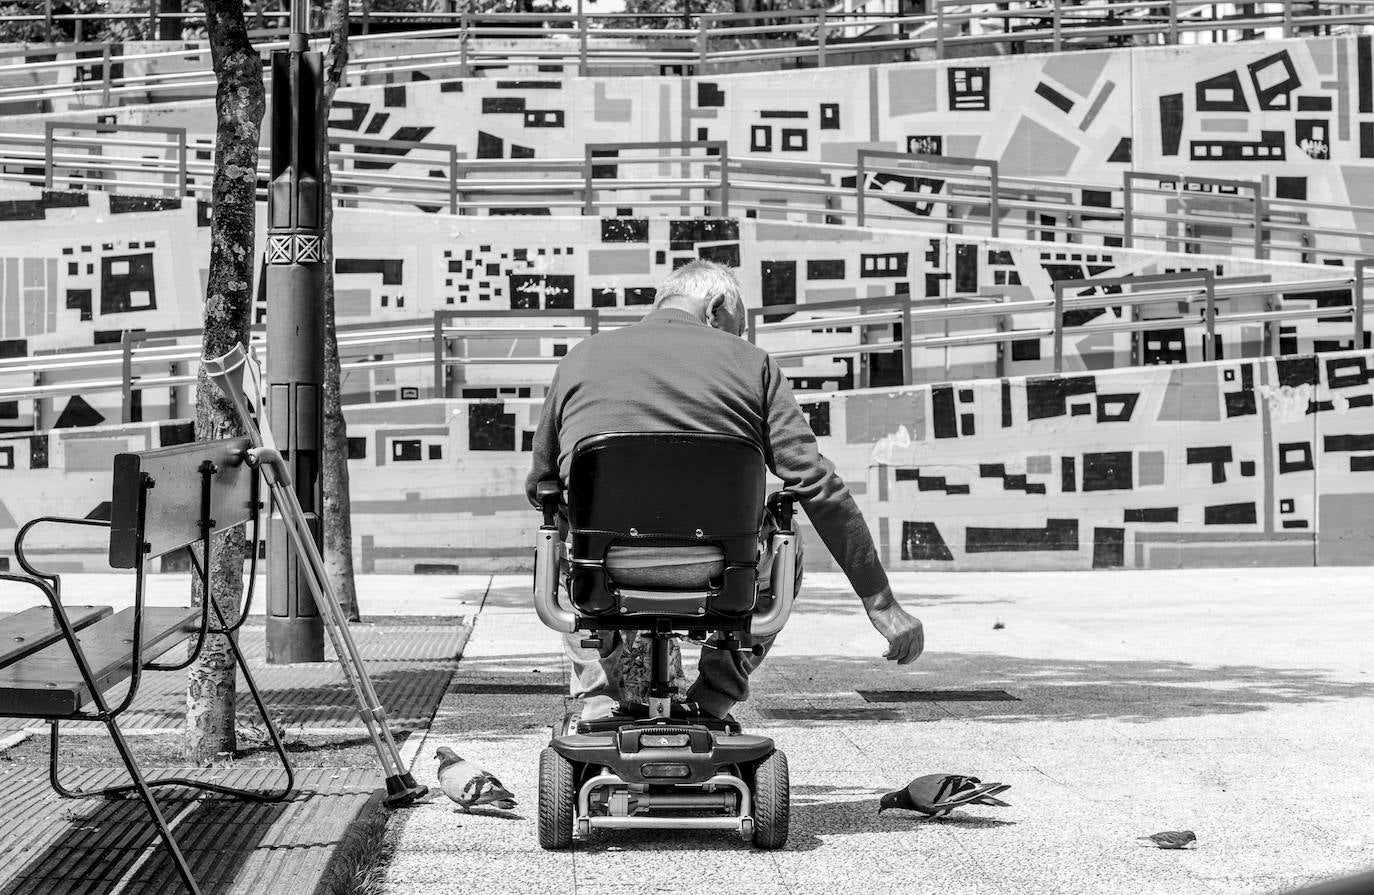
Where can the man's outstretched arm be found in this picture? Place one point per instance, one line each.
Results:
(796, 459)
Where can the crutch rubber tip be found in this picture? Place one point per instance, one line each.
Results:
(402, 790)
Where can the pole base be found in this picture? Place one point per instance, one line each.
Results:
(402, 790)
(291, 640)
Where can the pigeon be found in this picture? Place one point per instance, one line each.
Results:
(469, 785)
(939, 794)
(1170, 839)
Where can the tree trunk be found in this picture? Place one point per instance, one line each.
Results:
(239, 106)
(337, 510)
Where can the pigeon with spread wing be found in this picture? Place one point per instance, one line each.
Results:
(939, 794)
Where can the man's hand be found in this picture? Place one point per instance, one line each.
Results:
(906, 637)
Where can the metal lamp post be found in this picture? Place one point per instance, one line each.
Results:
(295, 331)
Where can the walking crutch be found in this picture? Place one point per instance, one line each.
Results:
(228, 372)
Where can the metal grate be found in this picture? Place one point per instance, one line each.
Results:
(937, 696)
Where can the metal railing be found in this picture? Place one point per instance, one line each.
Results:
(1168, 211)
(695, 44)
(899, 325)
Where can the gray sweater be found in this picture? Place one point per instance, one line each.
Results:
(672, 373)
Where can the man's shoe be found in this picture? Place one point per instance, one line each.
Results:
(690, 709)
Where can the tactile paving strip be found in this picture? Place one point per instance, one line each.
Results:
(50, 845)
(410, 666)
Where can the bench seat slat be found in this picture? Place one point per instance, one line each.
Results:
(30, 631)
(49, 684)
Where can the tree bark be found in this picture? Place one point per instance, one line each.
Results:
(239, 106)
(337, 511)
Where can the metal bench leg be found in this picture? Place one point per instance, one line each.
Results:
(146, 795)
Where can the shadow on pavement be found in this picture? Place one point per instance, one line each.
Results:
(1051, 689)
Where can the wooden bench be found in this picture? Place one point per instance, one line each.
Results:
(63, 662)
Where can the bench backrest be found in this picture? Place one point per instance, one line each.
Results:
(159, 498)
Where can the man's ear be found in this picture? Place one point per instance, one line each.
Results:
(715, 307)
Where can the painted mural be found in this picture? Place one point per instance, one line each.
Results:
(1233, 463)
(1292, 119)
(82, 269)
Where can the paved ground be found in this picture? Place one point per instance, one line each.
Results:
(54, 846)
(1234, 703)
(1238, 704)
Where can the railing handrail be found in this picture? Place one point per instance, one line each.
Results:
(138, 352)
(813, 35)
(969, 199)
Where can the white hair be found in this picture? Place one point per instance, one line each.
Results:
(700, 281)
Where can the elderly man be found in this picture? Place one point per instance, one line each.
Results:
(685, 368)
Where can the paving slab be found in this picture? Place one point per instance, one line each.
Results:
(1236, 703)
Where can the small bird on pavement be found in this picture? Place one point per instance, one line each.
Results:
(939, 794)
(469, 785)
(1170, 839)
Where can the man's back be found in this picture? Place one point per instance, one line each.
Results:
(667, 373)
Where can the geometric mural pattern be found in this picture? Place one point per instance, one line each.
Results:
(1295, 116)
(1257, 461)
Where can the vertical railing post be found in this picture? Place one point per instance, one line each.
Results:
(1209, 348)
(1056, 25)
(1357, 294)
(820, 39)
(47, 156)
(183, 178)
(1059, 327)
(1261, 249)
(126, 347)
(463, 45)
(1271, 327)
(152, 19)
(1173, 21)
(453, 180)
(724, 180)
(995, 207)
(38, 403)
(367, 16)
(440, 368)
(582, 43)
(1000, 363)
(1137, 339)
(939, 29)
(1287, 18)
(105, 66)
(47, 21)
(588, 191)
(703, 38)
(908, 360)
(859, 186)
(1127, 209)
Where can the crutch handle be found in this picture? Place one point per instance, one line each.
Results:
(272, 463)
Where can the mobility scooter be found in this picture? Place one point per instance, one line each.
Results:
(658, 765)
